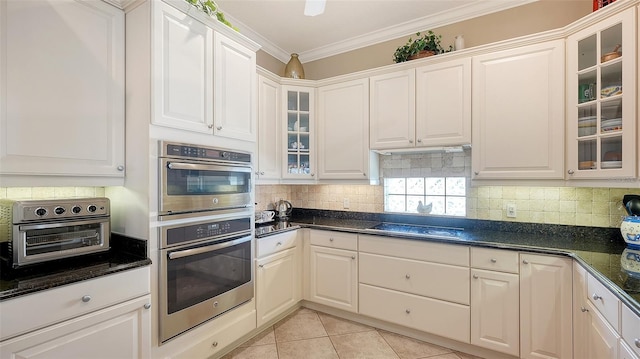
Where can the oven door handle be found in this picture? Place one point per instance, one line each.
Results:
(23, 227)
(206, 167)
(214, 247)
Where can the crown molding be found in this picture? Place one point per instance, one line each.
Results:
(462, 13)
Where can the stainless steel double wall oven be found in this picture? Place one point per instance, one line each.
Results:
(206, 251)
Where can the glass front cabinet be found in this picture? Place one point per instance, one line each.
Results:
(601, 99)
(299, 146)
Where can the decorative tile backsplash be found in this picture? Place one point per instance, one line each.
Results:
(50, 192)
(582, 206)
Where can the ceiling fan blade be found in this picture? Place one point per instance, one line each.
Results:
(314, 7)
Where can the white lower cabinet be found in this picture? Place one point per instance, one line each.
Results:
(416, 284)
(545, 307)
(333, 269)
(278, 275)
(630, 330)
(625, 352)
(601, 340)
(495, 310)
(73, 321)
(120, 331)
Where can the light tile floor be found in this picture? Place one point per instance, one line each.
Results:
(309, 334)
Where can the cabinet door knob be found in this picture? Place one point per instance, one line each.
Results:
(210, 125)
(571, 172)
(410, 141)
(120, 168)
(353, 257)
(214, 344)
(86, 298)
(219, 128)
(257, 173)
(493, 260)
(419, 140)
(364, 174)
(408, 311)
(313, 174)
(147, 305)
(583, 309)
(637, 342)
(261, 173)
(261, 265)
(595, 296)
(524, 261)
(475, 276)
(408, 276)
(476, 173)
(330, 239)
(279, 244)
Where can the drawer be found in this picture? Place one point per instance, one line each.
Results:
(631, 329)
(434, 316)
(34, 311)
(275, 243)
(415, 249)
(495, 259)
(435, 280)
(605, 301)
(338, 240)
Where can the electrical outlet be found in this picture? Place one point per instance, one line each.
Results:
(345, 203)
(511, 210)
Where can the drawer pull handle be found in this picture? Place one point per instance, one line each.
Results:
(261, 265)
(86, 298)
(525, 261)
(583, 309)
(331, 239)
(637, 342)
(353, 257)
(408, 311)
(147, 305)
(279, 244)
(493, 260)
(596, 296)
(407, 276)
(475, 276)
(214, 344)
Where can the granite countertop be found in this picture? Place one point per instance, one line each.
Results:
(125, 253)
(599, 250)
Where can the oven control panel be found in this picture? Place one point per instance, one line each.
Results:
(179, 150)
(205, 230)
(54, 209)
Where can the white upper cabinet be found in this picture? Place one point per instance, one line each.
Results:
(443, 100)
(602, 100)
(61, 92)
(393, 110)
(518, 113)
(299, 137)
(268, 156)
(205, 81)
(343, 130)
(234, 89)
(183, 67)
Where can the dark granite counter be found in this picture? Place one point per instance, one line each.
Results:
(125, 253)
(602, 251)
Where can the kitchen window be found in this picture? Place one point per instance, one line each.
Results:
(427, 195)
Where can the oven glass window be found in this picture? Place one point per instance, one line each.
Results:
(50, 240)
(203, 182)
(196, 278)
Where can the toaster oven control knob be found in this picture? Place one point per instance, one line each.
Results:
(76, 209)
(59, 210)
(40, 212)
(92, 208)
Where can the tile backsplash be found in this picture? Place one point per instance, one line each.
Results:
(50, 192)
(582, 206)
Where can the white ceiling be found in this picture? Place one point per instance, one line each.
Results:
(281, 27)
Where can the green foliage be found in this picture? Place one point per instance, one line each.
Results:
(429, 42)
(210, 8)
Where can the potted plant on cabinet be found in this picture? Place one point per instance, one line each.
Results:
(423, 46)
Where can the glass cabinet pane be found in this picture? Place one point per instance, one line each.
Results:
(292, 100)
(587, 52)
(611, 80)
(611, 152)
(587, 86)
(587, 154)
(304, 101)
(611, 116)
(610, 43)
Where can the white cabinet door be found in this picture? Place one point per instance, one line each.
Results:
(343, 130)
(234, 88)
(602, 340)
(61, 89)
(277, 284)
(299, 132)
(580, 312)
(443, 100)
(518, 113)
(268, 130)
(182, 70)
(545, 307)
(119, 331)
(392, 110)
(334, 278)
(602, 100)
(495, 311)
